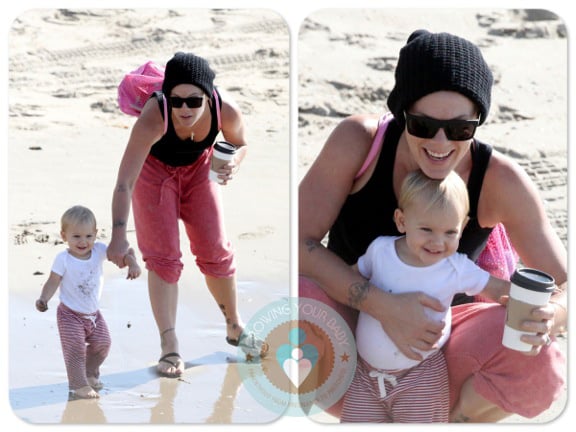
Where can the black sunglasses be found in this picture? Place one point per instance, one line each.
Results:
(426, 127)
(191, 102)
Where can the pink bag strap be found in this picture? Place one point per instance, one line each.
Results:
(165, 103)
(217, 100)
(383, 123)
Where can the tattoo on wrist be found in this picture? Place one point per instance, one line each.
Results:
(357, 292)
(118, 224)
(312, 245)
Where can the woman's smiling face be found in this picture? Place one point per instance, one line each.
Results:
(437, 156)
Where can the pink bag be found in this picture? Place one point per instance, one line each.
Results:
(138, 85)
(499, 257)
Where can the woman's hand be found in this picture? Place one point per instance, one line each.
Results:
(226, 172)
(542, 324)
(407, 322)
(117, 250)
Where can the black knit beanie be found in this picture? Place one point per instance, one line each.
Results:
(431, 62)
(187, 68)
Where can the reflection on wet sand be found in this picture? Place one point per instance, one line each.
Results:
(163, 411)
(83, 411)
(224, 405)
(164, 403)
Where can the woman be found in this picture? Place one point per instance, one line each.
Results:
(442, 93)
(166, 178)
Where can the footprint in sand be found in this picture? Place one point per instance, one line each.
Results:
(260, 232)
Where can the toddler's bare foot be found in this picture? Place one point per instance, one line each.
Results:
(95, 383)
(85, 392)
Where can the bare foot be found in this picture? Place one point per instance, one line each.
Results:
(95, 383)
(85, 392)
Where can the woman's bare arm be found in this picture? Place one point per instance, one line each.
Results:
(322, 193)
(147, 129)
(509, 196)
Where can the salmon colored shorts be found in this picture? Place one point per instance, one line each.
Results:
(517, 383)
(163, 195)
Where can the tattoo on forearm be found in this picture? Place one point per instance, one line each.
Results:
(118, 224)
(312, 245)
(357, 292)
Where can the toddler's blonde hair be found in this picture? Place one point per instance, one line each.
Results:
(435, 193)
(77, 215)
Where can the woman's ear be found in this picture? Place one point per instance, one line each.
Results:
(399, 220)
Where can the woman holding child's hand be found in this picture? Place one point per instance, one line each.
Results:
(164, 176)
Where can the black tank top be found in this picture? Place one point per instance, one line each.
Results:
(369, 213)
(174, 151)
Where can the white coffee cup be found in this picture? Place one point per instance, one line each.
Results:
(530, 288)
(222, 154)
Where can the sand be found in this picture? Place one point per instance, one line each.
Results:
(66, 136)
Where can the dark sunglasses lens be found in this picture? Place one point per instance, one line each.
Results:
(191, 102)
(460, 132)
(194, 102)
(455, 130)
(420, 127)
(176, 102)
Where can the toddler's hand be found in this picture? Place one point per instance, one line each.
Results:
(41, 305)
(133, 272)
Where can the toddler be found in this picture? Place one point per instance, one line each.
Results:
(77, 271)
(388, 386)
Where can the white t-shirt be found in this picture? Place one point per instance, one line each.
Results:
(82, 280)
(442, 280)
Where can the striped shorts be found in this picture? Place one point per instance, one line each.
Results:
(417, 395)
(515, 382)
(85, 344)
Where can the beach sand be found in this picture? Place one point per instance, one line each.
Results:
(66, 137)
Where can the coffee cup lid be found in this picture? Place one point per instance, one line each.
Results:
(532, 279)
(225, 147)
